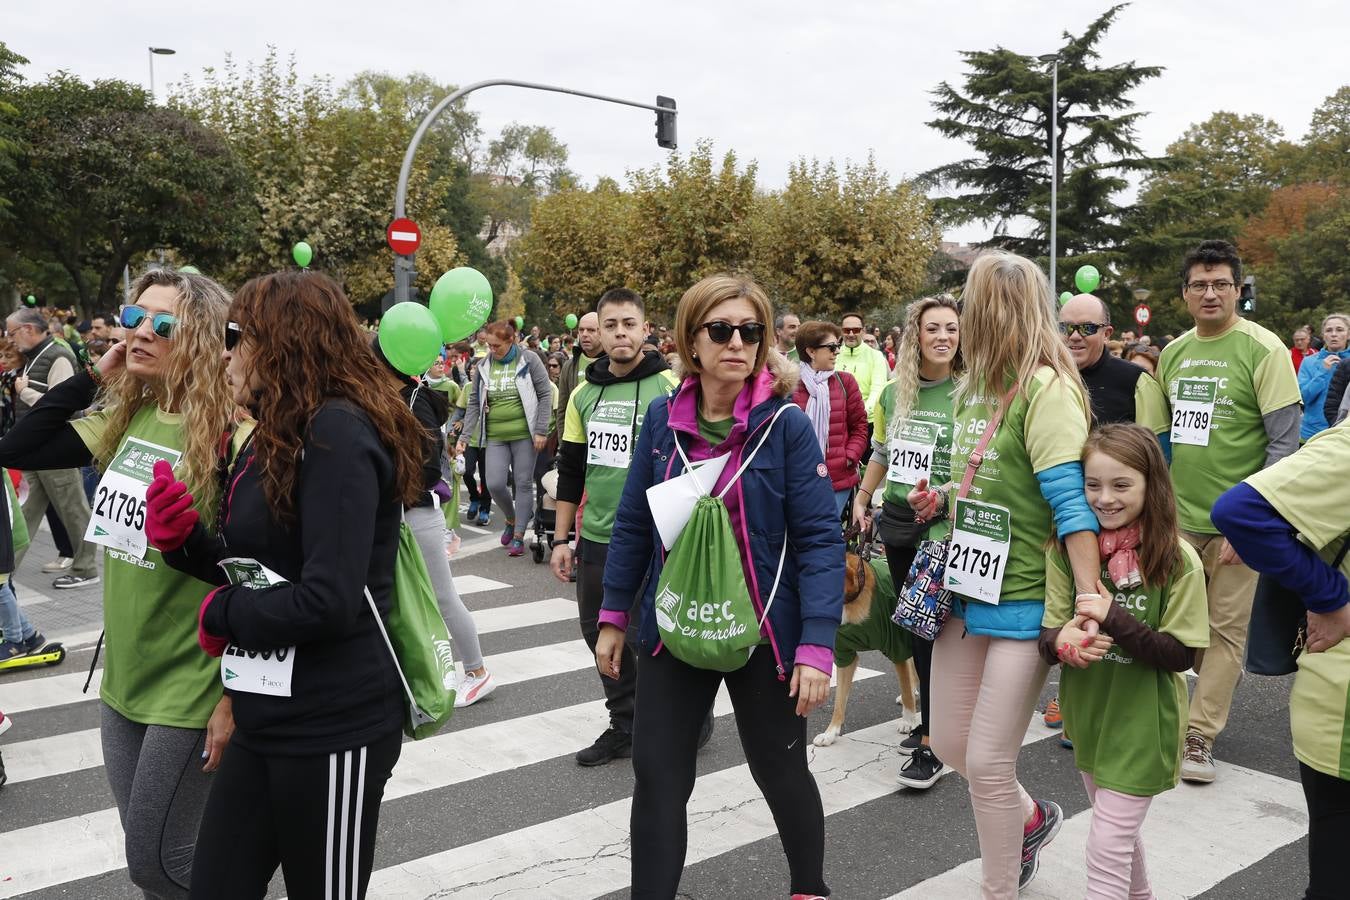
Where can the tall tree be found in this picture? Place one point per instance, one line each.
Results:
(1003, 110)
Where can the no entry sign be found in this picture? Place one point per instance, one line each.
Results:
(404, 236)
(1142, 314)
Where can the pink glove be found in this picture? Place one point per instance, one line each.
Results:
(214, 646)
(169, 516)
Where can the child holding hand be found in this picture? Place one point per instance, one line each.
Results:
(1122, 695)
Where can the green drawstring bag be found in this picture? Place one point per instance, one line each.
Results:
(18, 528)
(703, 609)
(418, 641)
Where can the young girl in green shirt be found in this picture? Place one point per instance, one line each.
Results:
(1122, 693)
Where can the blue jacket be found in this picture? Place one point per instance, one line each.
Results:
(1313, 380)
(785, 488)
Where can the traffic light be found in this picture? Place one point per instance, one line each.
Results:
(1247, 299)
(665, 124)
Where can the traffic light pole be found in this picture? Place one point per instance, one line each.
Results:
(405, 269)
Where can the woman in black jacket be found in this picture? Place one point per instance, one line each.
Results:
(309, 521)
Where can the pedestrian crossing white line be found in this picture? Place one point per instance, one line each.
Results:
(523, 615)
(477, 584)
(60, 754)
(1194, 838)
(31, 597)
(587, 854)
(92, 843)
(45, 693)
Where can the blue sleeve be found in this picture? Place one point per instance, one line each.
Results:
(1062, 488)
(1165, 441)
(1313, 379)
(1268, 543)
(632, 540)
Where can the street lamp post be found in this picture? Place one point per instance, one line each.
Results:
(153, 52)
(1053, 59)
(404, 269)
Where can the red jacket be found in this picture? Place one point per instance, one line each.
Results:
(850, 436)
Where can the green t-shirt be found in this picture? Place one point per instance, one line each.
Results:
(18, 528)
(930, 418)
(470, 440)
(715, 432)
(451, 391)
(607, 420)
(1127, 720)
(877, 631)
(153, 671)
(1150, 405)
(506, 412)
(1036, 434)
(1311, 491)
(1254, 377)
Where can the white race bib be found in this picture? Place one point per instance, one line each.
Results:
(981, 536)
(1193, 410)
(255, 671)
(608, 444)
(118, 514)
(909, 457)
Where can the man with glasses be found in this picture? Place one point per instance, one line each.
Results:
(1235, 409)
(867, 366)
(47, 363)
(1119, 391)
(785, 331)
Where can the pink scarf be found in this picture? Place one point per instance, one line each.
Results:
(1118, 550)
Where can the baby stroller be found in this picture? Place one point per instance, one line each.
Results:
(545, 516)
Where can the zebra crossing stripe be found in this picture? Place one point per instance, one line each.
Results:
(1194, 838)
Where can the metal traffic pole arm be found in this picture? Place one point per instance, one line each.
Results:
(404, 271)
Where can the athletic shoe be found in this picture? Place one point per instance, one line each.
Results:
(483, 516)
(5, 722)
(517, 548)
(1065, 742)
(613, 744)
(60, 564)
(1035, 839)
(1197, 760)
(34, 643)
(474, 688)
(11, 650)
(912, 741)
(74, 581)
(473, 510)
(508, 532)
(1052, 717)
(809, 897)
(922, 771)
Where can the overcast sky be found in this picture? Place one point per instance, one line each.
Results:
(771, 80)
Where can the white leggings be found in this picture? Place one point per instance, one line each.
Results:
(983, 692)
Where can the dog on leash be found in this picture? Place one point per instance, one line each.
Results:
(869, 601)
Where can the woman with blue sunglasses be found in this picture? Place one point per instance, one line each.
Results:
(164, 720)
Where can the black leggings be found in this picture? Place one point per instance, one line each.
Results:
(671, 704)
(619, 692)
(898, 560)
(1328, 800)
(315, 816)
(475, 464)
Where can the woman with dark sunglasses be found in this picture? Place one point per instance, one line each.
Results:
(834, 404)
(164, 720)
(733, 402)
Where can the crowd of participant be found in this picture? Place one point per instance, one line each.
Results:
(1104, 505)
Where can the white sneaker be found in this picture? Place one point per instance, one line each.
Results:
(5, 722)
(473, 688)
(60, 564)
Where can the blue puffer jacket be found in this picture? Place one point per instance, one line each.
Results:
(785, 487)
(1313, 380)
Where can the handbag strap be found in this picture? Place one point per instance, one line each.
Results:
(977, 455)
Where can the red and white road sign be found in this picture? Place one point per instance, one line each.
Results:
(1142, 314)
(404, 236)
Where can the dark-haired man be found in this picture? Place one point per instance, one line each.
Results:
(785, 327)
(1235, 409)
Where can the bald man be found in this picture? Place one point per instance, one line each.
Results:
(587, 351)
(1120, 391)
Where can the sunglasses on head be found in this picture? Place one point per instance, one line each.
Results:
(720, 332)
(232, 335)
(162, 324)
(1086, 329)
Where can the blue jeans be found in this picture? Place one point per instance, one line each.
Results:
(840, 498)
(13, 624)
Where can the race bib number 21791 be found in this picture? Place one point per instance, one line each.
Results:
(978, 557)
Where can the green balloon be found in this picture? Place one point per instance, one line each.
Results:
(190, 270)
(1065, 297)
(302, 253)
(1087, 278)
(410, 337)
(32, 301)
(460, 301)
(571, 320)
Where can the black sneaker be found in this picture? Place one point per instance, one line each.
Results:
(74, 581)
(35, 643)
(1035, 840)
(611, 745)
(912, 741)
(922, 771)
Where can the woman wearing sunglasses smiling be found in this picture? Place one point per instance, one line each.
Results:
(164, 721)
(733, 401)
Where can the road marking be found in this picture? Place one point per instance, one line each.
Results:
(522, 615)
(477, 584)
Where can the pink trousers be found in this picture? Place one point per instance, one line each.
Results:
(1115, 851)
(984, 690)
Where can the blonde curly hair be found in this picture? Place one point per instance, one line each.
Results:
(908, 356)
